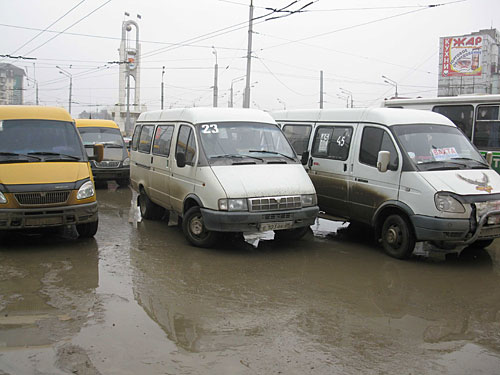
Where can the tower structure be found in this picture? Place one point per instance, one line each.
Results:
(129, 87)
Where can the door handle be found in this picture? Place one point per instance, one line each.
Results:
(345, 167)
(310, 162)
(361, 180)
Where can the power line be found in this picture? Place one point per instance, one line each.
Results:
(70, 26)
(53, 23)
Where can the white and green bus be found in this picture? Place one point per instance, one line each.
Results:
(478, 116)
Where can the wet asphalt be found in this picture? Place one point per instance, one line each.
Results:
(138, 299)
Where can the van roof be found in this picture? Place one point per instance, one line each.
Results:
(85, 122)
(385, 116)
(33, 112)
(200, 115)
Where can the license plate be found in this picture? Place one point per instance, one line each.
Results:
(36, 222)
(275, 226)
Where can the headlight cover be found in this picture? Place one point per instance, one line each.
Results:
(308, 200)
(86, 191)
(126, 162)
(2, 198)
(239, 204)
(446, 203)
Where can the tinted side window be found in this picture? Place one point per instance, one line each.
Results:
(145, 138)
(461, 115)
(298, 136)
(373, 141)
(135, 137)
(332, 142)
(163, 139)
(487, 129)
(186, 143)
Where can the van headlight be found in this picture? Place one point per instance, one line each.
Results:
(2, 198)
(239, 204)
(446, 203)
(126, 162)
(308, 200)
(86, 190)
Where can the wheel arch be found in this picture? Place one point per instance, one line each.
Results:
(191, 200)
(391, 208)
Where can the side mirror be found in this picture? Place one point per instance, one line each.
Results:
(181, 159)
(489, 157)
(383, 160)
(98, 153)
(304, 158)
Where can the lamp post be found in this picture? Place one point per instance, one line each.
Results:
(231, 102)
(281, 102)
(344, 97)
(348, 93)
(162, 74)
(70, 76)
(392, 83)
(216, 73)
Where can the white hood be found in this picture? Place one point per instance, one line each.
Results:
(263, 180)
(465, 182)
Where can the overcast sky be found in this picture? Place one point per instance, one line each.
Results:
(354, 42)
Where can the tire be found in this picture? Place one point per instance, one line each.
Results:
(290, 234)
(195, 231)
(481, 244)
(87, 230)
(122, 182)
(397, 237)
(149, 210)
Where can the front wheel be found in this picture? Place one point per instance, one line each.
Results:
(195, 231)
(87, 230)
(290, 234)
(397, 237)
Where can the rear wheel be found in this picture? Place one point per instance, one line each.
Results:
(195, 231)
(149, 209)
(397, 237)
(290, 234)
(87, 230)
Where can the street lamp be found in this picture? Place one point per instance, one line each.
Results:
(348, 93)
(216, 73)
(231, 102)
(162, 74)
(344, 97)
(392, 83)
(70, 76)
(281, 102)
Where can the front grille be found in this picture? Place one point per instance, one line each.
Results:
(275, 203)
(42, 198)
(108, 164)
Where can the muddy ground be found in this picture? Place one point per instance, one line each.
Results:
(138, 299)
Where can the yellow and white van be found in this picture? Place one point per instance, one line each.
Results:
(116, 163)
(45, 175)
(221, 170)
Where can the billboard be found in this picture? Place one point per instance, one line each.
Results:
(462, 56)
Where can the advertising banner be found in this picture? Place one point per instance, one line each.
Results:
(462, 56)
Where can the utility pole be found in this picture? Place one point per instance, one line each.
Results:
(162, 74)
(321, 89)
(246, 96)
(70, 76)
(216, 73)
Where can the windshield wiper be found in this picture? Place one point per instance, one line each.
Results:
(273, 152)
(454, 164)
(17, 154)
(46, 153)
(474, 160)
(238, 156)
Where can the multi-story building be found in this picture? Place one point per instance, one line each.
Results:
(11, 84)
(469, 64)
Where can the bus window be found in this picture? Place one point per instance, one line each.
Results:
(461, 115)
(487, 132)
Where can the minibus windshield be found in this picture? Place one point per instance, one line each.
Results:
(438, 147)
(109, 137)
(39, 140)
(245, 142)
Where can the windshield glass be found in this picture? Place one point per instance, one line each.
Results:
(253, 142)
(105, 136)
(433, 147)
(39, 140)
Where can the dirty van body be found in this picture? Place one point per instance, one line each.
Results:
(116, 162)
(220, 170)
(45, 176)
(411, 175)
